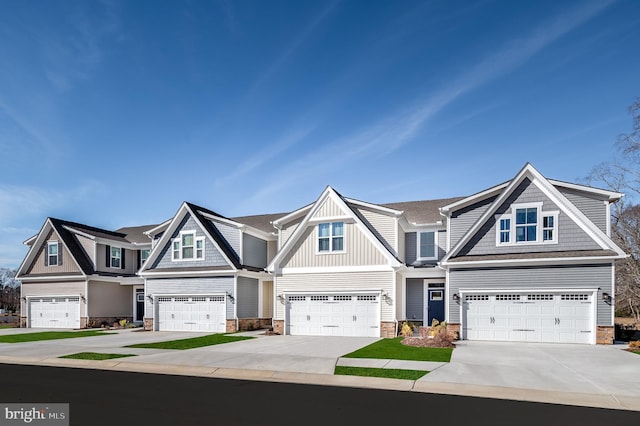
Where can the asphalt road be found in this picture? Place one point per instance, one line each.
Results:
(99, 397)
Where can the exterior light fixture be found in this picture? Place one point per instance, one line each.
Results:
(606, 297)
(231, 298)
(456, 297)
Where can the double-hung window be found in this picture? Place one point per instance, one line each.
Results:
(527, 224)
(427, 245)
(187, 247)
(52, 253)
(144, 255)
(330, 237)
(116, 257)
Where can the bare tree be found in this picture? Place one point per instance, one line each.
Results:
(623, 175)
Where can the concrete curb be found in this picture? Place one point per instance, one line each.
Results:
(609, 401)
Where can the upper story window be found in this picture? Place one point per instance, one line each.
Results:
(427, 245)
(144, 255)
(116, 257)
(52, 253)
(527, 224)
(187, 247)
(330, 237)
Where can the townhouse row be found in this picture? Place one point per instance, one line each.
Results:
(530, 259)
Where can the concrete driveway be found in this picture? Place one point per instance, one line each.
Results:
(550, 367)
(300, 354)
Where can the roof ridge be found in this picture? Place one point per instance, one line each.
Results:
(87, 227)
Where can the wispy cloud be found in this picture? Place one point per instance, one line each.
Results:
(289, 51)
(18, 203)
(398, 129)
(291, 138)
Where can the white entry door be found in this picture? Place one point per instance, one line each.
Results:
(54, 312)
(192, 313)
(529, 317)
(333, 315)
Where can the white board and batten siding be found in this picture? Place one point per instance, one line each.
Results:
(385, 226)
(288, 230)
(359, 250)
(188, 287)
(338, 283)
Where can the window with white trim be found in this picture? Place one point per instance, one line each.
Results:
(144, 255)
(187, 247)
(427, 245)
(52, 253)
(330, 237)
(116, 257)
(527, 224)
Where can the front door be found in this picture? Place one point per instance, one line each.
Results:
(139, 304)
(435, 305)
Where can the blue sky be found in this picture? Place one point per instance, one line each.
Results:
(113, 113)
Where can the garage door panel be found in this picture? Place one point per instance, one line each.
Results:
(192, 313)
(333, 315)
(54, 312)
(538, 317)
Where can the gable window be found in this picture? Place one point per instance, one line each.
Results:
(116, 257)
(52, 253)
(331, 237)
(527, 224)
(427, 245)
(549, 223)
(505, 230)
(187, 247)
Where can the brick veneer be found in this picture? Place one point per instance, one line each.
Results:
(231, 326)
(278, 326)
(253, 323)
(23, 322)
(83, 322)
(605, 335)
(387, 329)
(454, 330)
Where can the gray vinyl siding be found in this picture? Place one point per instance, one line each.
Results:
(187, 287)
(570, 235)
(383, 226)
(594, 208)
(247, 299)
(411, 246)
(462, 220)
(212, 257)
(230, 233)
(415, 299)
(402, 249)
(255, 251)
(578, 276)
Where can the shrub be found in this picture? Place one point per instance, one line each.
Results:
(407, 329)
(635, 344)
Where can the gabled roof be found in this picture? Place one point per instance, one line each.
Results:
(199, 214)
(66, 230)
(329, 192)
(529, 172)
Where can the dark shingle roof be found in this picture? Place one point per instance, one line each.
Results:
(541, 255)
(425, 211)
(135, 234)
(261, 222)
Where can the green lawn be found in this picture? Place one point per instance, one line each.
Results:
(393, 349)
(195, 342)
(391, 373)
(95, 356)
(49, 335)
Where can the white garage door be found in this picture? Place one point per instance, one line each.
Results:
(333, 315)
(54, 312)
(529, 317)
(192, 313)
